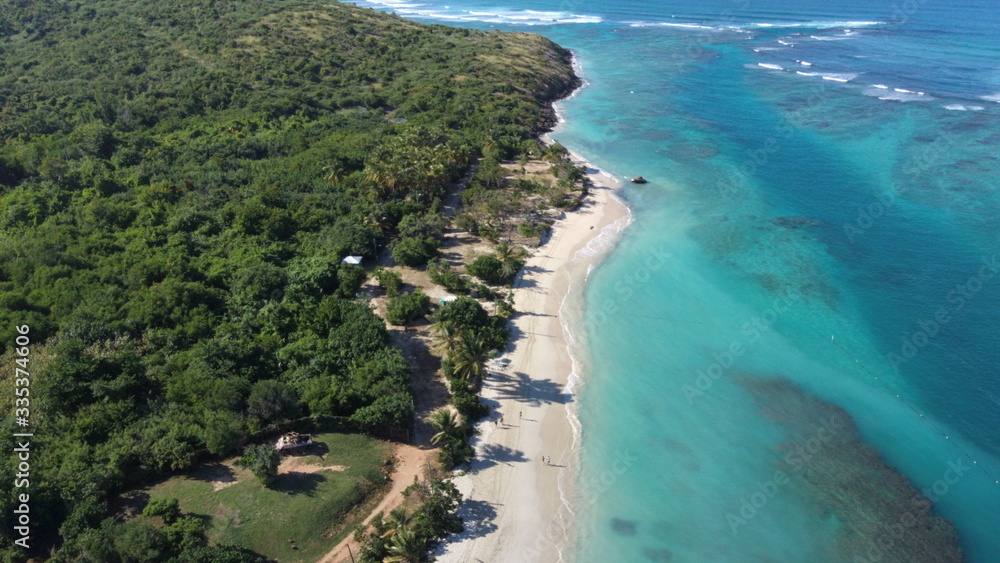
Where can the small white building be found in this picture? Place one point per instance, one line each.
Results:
(356, 260)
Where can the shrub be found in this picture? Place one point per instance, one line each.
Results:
(497, 334)
(465, 313)
(529, 186)
(484, 292)
(262, 460)
(388, 412)
(467, 402)
(455, 450)
(220, 554)
(166, 508)
(404, 308)
(528, 230)
(505, 307)
(422, 226)
(350, 277)
(390, 281)
(442, 274)
(186, 533)
(467, 222)
(414, 252)
(489, 269)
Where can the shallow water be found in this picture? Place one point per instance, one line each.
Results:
(821, 213)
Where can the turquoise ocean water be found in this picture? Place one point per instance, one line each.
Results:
(809, 275)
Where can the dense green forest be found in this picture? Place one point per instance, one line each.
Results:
(179, 181)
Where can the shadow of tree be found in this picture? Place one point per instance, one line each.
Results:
(316, 448)
(478, 518)
(430, 392)
(205, 519)
(493, 454)
(522, 388)
(298, 483)
(214, 473)
(128, 504)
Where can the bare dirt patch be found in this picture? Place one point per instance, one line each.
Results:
(294, 464)
(411, 463)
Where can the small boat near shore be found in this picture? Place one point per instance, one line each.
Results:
(639, 180)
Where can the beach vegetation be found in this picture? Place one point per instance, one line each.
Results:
(445, 334)
(407, 535)
(528, 230)
(407, 307)
(468, 359)
(489, 269)
(441, 273)
(468, 223)
(466, 402)
(172, 232)
(389, 281)
(446, 422)
(350, 277)
(500, 267)
(464, 313)
(414, 252)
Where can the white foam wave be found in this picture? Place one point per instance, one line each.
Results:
(770, 66)
(680, 25)
(961, 107)
(786, 43)
(818, 24)
(806, 73)
(840, 76)
(804, 63)
(692, 26)
(883, 92)
(829, 37)
(992, 98)
(497, 15)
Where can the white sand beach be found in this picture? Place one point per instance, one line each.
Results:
(514, 510)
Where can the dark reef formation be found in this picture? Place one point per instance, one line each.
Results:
(882, 516)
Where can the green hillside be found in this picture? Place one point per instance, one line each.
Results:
(179, 180)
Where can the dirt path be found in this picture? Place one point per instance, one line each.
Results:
(411, 462)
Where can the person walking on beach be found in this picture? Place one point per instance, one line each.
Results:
(501, 419)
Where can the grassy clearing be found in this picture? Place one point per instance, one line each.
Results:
(309, 506)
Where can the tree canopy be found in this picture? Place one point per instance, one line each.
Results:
(179, 181)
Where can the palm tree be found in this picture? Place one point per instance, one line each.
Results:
(446, 422)
(407, 547)
(510, 257)
(397, 522)
(334, 172)
(446, 335)
(469, 357)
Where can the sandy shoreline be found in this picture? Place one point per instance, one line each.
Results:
(514, 509)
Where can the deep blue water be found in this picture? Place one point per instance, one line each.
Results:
(842, 153)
